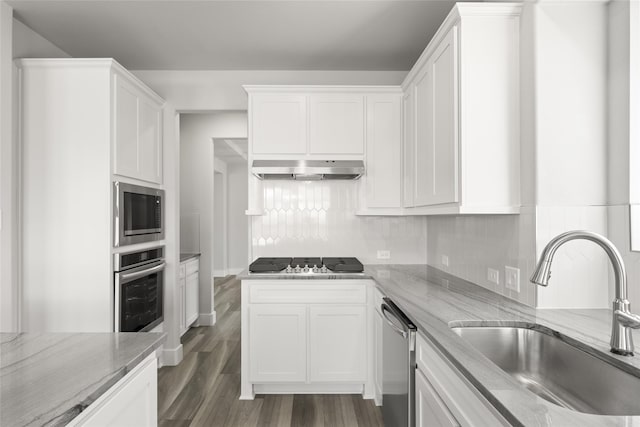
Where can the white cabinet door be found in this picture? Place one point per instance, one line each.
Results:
(337, 343)
(384, 151)
(278, 123)
(377, 357)
(436, 174)
(277, 343)
(336, 124)
(409, 146)
(126, 128)
(133, 401)
(430, 409)
(137, 133)
(423, 175)
(444, 150)
(191, 304)
(149, 141)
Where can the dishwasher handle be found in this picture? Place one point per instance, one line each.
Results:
(384, 308)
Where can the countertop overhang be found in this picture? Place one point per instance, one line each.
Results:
(49, 378)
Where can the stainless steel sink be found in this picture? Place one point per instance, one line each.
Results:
(557, 371)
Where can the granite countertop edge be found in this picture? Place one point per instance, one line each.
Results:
(437, 301)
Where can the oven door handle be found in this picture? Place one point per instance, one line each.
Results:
(127, 277)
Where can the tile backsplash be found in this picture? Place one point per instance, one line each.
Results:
(318, 219)
(477, 242)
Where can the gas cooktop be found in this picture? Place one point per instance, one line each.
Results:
(306, 265)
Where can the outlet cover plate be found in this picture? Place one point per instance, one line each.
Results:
(445, 260)
(512, 278)
(493, 276)
(383, 254)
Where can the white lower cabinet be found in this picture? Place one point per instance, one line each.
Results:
(443, 397)
(278, 342)
(337, 343)
(132, 401)
(188, 290)
(304, 336)
(430, 409)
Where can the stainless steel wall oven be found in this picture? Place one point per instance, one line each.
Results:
(138, 214)
(138, 290)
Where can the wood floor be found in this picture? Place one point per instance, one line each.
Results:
(204, 389)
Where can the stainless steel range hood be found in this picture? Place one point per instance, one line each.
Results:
(308, 170)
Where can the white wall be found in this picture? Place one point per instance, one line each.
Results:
(197, 188)
(29, 44)
(16, 41)
(219, 218)
(222, 90)
(237, 221)
(624, 133)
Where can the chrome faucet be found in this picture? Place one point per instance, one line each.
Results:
(623, 319)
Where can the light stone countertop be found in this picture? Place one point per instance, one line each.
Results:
(436, 301)
(47, 379)
(184, 256)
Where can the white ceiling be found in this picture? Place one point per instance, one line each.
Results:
(237, 35)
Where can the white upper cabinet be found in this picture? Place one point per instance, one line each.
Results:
(462, 136)
(383, 177)
(278, 123)
(336, 124)
(307, 122)
(137, 131)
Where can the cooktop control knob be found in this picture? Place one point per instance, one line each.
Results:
(297, 269)
(316, 269)
(305, 269)
(324, 269)
(289, 269)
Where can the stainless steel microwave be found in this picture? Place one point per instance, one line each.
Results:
(138, 214)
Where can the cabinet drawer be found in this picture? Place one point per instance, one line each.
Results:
(465, 402)
(347, 292)
(193, 266)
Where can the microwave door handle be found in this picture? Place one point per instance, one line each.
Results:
(385, 312)
(126, 277)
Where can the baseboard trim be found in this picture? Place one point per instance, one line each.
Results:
(235, 271)
(172, 356)
(207, 319)
(220, 273)
(308, 388)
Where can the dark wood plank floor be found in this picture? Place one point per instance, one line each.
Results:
(204, 389)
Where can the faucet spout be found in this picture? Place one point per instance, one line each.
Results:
(623, 319)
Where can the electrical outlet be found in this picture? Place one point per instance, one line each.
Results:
(493, 276)
(384, 254)
(445, 260)
(512, 278)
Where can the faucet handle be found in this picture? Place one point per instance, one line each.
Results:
(629, 320)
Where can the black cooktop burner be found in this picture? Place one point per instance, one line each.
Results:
(289, 265)
(310, 262)
(351, 265)
(268, 265)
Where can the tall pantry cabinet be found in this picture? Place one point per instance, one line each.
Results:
(84, 123)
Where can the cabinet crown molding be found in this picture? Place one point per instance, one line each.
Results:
(364, 89)
(84, 63)
(459, 11)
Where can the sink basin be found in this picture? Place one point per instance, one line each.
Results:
(557, 371)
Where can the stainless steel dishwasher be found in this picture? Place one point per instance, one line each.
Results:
(398, 367)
